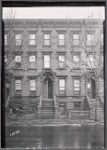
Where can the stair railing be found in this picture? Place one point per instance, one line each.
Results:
(7, 102)
(55, 103)
(88, 100)
(40, 103)
(102, 100)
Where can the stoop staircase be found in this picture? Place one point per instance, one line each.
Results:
(47, 109)
(96, 106)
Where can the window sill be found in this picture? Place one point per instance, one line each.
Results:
(61, 69)
(46, 46)
(32, 69)
(32, 45)
(17, 95)
(18, 69)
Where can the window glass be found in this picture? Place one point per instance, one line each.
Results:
(76, 86)
(61, 39)
(75, 39)
(32, 39)
(32, 85)
(5, 38)
(62, 86)
(47, 39)
(76, 60)
(32, 58)
(90, 39)
(17, 58)
(46, 61)
(90, 61)
(18, 84)
(61, 61)
(18, 39)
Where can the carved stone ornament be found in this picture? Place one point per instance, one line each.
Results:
(47, 73)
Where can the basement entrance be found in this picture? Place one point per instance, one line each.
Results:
(47, 88)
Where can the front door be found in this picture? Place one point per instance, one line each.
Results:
(47, 88)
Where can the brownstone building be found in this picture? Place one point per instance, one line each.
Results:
(56, 67)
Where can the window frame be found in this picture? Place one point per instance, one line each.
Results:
(64, 91)
(73, 39)
(32, 92)
(32, 64)
(79, 87)
(78, 65)
(18, 40)
(62, 39)
(59, 63)
(91, 42)
(90, 66)
(6, 39)
(45, 62)
(18, 63)
(18, 92)
(47, 39)
(32, 39)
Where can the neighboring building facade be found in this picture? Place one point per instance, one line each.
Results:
(48, 60)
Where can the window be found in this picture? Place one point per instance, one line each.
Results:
(90, 38)
(32, 39)
(77, 105)
(61, 39)
(32, 87)
(18, 61)
(46, 39)
(46, 61)
(18, 39)
(62, 86)
(5, 40)
(90, 61)
(18, 87)
(32, 61)
(76, 61)
(77, 87)
(75, 39)
(61, 61)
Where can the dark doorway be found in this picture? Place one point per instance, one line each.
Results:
(93, 88)
(47, 88)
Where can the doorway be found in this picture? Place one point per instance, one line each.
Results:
(47, 88)
(93, 88)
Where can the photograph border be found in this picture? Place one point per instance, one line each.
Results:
(27, 3)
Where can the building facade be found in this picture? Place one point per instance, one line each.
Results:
(56, 67)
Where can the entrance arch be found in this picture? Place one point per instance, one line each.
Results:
(47, 88)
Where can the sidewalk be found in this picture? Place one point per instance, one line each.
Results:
(50, 122)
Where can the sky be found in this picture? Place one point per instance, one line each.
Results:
(55, 12)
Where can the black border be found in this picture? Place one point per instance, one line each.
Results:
(39, 3)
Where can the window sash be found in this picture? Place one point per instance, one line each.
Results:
(76, 86)
(32, 39)
(18, 85)
(61, 61)
(61, 39)
(18, 59)
(32, 58)
(62, 86)
(76, 60)
(46, 61)
(90, 61)
(33, 85)
(5, 39)
(90, 38)
(18, 39)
